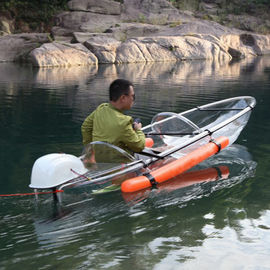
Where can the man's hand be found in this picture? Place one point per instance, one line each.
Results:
(137, 126)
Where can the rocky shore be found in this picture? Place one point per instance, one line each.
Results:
(97, 32)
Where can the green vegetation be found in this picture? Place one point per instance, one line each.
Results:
(176, 23)
(142, 18)
(230, 6)
(38, 16)
(32, 15)
(250, 15)
(192, 5)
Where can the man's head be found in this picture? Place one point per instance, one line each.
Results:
(122, 94)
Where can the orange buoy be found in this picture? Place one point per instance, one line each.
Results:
(149, 142)
(180, 181)
(176, 167)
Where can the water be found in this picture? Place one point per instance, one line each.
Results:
(221, 224)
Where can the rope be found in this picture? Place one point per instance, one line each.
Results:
(81, 175)
(32, 193)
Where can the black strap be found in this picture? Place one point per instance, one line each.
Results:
(217, 144)
(152, 180)
(209, 132)
(218, 172)
(149, 154)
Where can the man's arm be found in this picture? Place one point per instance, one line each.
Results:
(133, 139)
(87, 129)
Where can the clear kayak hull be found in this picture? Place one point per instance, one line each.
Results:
(174, 136)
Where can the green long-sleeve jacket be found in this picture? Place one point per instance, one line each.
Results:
(110, 125)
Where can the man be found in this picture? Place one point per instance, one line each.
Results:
(108, 123)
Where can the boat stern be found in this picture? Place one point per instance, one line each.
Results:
(54, 169)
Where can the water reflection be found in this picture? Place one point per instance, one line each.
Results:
(194, 72)
(61, 77)
(86, 87)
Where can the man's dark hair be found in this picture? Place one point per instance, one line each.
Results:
(118, 88)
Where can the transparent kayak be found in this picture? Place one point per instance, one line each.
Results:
(174, 135)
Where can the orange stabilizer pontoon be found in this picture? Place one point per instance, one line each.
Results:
(180, 181)
(175, 167)
(149, 142)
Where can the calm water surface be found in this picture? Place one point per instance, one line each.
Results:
(223, 224)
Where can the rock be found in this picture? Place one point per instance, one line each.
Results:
(16, 47)
(2, 33)
(169, 49)
(106, 31)
(236, 54)
(201, 27)
(100, 6)
(248, 40)
(124, 31)
(79, 21)
(143, 50)
(55, 54)
(81, 37)
(61, 34)
(209, 8)
(6, 26)
(158, 12)
(60, 31)
(103, 47)
(240, 47)
(262, 44)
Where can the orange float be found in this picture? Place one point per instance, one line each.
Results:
(176, 167)
(183, 180)
(149, 142)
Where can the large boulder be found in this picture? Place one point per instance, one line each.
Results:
(262, 44)
(143, 50)
(79, 21)
(169, 49)
(100, 6)
(244, 45)
(103, 47)
(56, 54)
(17, 47)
